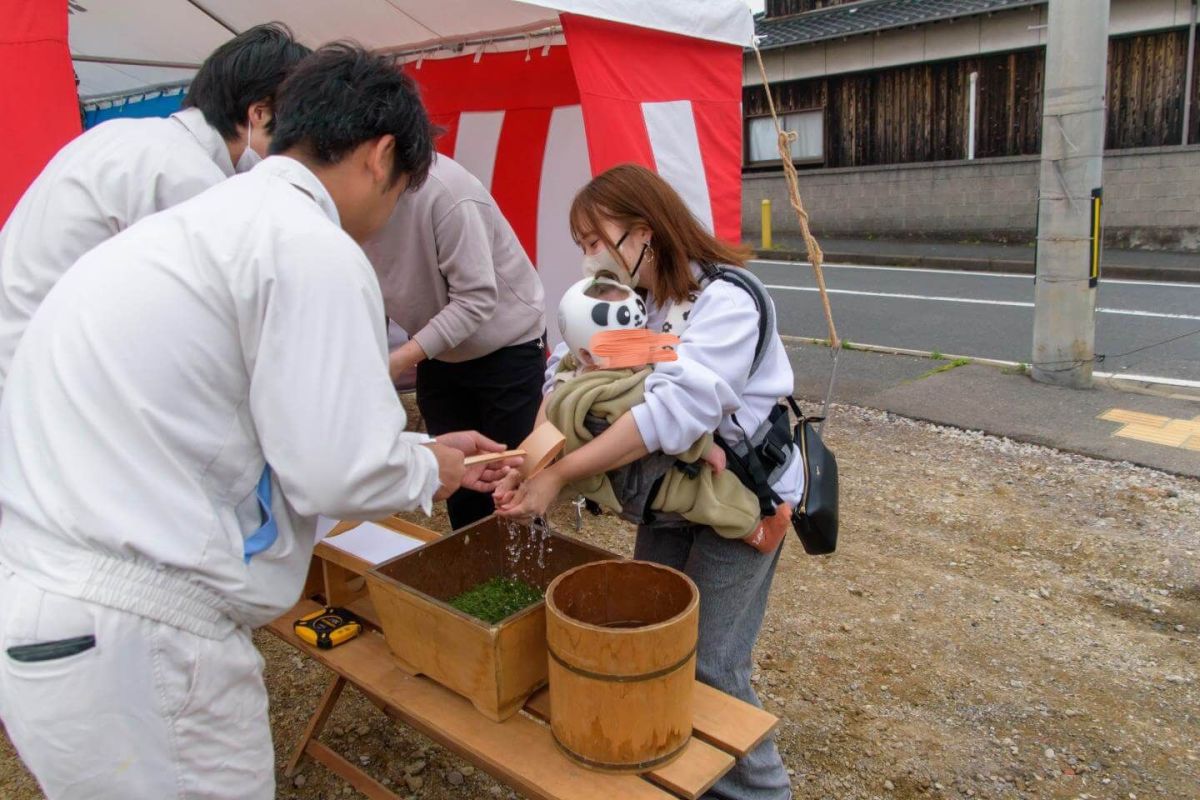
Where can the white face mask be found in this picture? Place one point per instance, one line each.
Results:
(606, 264)
(249, 157)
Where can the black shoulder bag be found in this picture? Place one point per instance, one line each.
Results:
(816, 520)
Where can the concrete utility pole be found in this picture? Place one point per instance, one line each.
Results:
(1068, 247)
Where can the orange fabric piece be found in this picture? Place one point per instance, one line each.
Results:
(632, 348)
(771, 530)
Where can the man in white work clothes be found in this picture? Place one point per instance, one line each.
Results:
(114, 174)
(186, 401)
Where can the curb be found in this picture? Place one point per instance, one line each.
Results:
(1138, 384)
(1111, 380)
(955, 264)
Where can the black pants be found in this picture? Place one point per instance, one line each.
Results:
(497, 395)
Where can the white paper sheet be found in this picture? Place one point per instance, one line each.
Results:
(324, 526)
(373, 543)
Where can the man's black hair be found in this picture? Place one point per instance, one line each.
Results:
(79, 100)
(342, 96)
(245, 70)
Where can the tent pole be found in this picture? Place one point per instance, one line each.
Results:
(214, 17)
(535, 30)
(133, 62)
(113, 97)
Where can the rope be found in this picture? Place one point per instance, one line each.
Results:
(815, 256)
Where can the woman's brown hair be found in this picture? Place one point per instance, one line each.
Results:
(630, 194)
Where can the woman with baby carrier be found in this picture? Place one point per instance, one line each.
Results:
(727, 381)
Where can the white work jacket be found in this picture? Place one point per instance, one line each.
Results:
(98, 185)
(240, 328)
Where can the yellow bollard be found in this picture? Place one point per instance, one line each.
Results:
(766, 224)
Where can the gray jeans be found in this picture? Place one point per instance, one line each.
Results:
(734, 580)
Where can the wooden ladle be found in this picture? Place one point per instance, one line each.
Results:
(487, 458)
(539, 449)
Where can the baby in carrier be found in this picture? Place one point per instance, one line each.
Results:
(611, 354)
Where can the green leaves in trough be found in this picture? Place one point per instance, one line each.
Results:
(496, 599)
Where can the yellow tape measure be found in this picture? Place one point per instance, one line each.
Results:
(328, 627)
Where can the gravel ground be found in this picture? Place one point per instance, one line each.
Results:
(1000, 621)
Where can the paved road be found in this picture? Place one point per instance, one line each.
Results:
(985, 314)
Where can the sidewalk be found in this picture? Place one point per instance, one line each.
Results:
(984, 257)
(1159, 426)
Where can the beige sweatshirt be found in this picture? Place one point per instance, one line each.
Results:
(452, 271)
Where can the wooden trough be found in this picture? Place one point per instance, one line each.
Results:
(496, 667)
(622, 643)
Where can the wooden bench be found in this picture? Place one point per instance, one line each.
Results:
(520, 751)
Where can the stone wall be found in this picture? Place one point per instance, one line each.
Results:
(1151, 200)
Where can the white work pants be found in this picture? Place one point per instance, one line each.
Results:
(150, 711)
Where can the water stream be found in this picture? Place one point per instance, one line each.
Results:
(527, 546)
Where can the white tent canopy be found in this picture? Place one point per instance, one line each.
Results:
(125, 45)
(653, 82)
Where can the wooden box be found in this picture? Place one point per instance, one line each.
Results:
(498, 666)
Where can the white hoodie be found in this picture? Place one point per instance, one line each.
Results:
(710, 382)
(239, 328)
(98, 185)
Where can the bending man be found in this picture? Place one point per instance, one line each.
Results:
(193, 393)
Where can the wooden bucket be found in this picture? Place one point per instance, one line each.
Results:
(621, 637)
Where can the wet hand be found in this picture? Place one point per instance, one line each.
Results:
(534, 497)
(507, 488)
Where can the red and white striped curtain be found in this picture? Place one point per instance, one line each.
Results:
(534, 128)
(39, 112)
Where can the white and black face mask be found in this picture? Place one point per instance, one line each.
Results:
(610, 265)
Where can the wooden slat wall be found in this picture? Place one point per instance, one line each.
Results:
(1145, 89)
(1194, 122)
(918, 113)
(1009, 104)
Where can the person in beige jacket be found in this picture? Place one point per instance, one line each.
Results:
(456, 279)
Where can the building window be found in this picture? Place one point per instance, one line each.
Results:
(808, 147)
